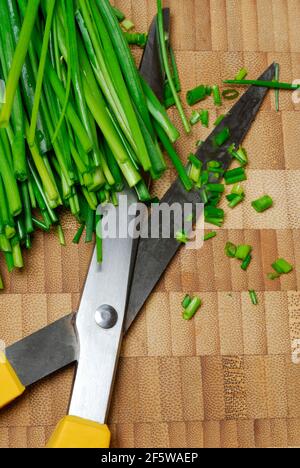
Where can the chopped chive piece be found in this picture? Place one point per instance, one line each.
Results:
(192, 309)
(263, 204)
(197, 94)
(195, 118)
(235, 175)
(242, 252)
(204, 177)
(199, 143)
(195, 173)
(181, 237)
(230, 250)
(238, 189)
(253, 297)
(282, 267)
(139, 39)
(1, 283)
(222, 137)
(213, 165)
(204, 117)
(273, 276)
(246, 262)
(219, 120)
(230, 94)
(212, 212)
(241, 74)
(195, 161)
(277, 92)
(186, 301)
(215, 221)
(265, 84)
(217, 96)
(236, 200)
(219, 188)
(127, 24)
(210, 235)
(240, 155)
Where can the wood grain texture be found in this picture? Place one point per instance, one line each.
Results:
(225, 379)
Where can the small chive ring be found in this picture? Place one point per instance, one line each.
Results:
(230, 94)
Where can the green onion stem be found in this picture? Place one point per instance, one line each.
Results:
(90, 226)
(41, 70)
(79, 233)
(10, 184)
(163, 48)
(265, 84)
(19, 59)
(17, 255)
(159, 113)
(61, 235)
(99, 241)
(174, 157)
(126, 60)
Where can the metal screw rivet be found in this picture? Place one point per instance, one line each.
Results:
(106, 317)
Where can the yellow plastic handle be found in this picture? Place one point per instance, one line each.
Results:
(73, 432)
(10, 385)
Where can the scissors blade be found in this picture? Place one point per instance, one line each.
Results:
(154, 255)
(45, 352)
(151, 66)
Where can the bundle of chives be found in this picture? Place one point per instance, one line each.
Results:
(69, 71)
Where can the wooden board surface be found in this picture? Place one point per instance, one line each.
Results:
(225, 379)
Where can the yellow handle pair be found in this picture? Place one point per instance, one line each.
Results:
(71, 432)
(10, 385)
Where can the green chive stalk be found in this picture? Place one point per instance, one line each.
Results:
(126, 60)
(265, 84)
(114, 68)
(98, 109)
(188, 185)
(164, 53)
(7, 48)
(159, 113)
(19, 59)
(40, 76)
(10, 184)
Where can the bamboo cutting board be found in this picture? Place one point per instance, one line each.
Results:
(225, 379)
